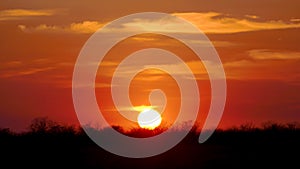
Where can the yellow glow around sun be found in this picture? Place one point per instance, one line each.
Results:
(149, 119)
(142, 108)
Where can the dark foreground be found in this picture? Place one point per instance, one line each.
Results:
(274, 146)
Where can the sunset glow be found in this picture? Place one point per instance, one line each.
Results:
(257, 43)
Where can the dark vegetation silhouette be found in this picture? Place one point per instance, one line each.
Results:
(48, 144)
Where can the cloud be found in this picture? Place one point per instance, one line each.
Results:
(11, 64)
(86, 27)
(152, 74)
(252, 16)
(134, 108)
(213, 22)
(40, 28)
(210, 22)
(81, 27)
(28, 71)
(190, 39)
(295, 20)
(263, 54)
(14, 14)
(16, 68)
(238, 64)
(265, 64)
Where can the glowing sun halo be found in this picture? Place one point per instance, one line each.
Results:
(149, 119)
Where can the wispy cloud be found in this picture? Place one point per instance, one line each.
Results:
(152, 74)
(80, 27)
(265, 64)
(86, 26)
(295, 20)
(263, 54)
(16, 68)
(213, 22)
(210, 22)
(252, 16)
(13, 14)
(28, 71)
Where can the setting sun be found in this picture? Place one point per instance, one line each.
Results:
(149, 119)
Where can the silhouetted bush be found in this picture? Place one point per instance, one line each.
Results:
(4, 132)
(246, 146)
(143, 133)
(272, 126)
(45, 126)
(41, 125)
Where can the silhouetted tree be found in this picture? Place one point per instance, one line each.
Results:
(293, 125)
(5, 132)
(247, 127)
(42, 125)
(272, 126)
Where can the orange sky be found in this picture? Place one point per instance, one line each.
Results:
(257, 41)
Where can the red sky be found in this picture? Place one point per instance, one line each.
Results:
(257, 41)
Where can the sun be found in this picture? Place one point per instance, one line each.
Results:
(149, 119)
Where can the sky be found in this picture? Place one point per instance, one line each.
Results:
(257, 42)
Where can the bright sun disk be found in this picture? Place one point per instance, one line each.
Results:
(149, 119)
